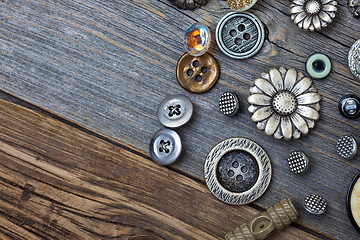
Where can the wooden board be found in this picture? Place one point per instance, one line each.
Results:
(58, 182)
(107, 64)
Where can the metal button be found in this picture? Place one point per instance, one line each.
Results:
(354, 59)
(298, 162)
(353, 201)
(197, 74)
(315, 204)
(241, 5)
(165, 146)
(175, 111)
(347, 146)
(318, 65)
(349, 106)
(229, 103)
(237, 171)
(240, 35)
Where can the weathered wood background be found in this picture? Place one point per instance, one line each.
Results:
(106, 65)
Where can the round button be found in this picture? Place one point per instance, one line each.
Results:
(298, 162)
(349, 106)
(197, 74)
(240, 5)
(197, 39)
(347, 146)
(175, 111)
(353, 202)
(315, 204)
(318, 65)
(165, 146)
(229, 103)
(240, 35)
(354, 59)
(237, 171)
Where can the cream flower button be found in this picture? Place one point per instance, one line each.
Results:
(284, 103)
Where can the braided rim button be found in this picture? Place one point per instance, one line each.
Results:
(353, 201)
(318, 65)
(175, 111)
(347, 146)
(349, 106)
(240, 35)
(229, 103)
(165, 146)
(298, 162)
(315, 204)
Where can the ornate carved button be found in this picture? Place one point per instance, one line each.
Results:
(298, 162)
(315, 204)
(240, 5)
(354, 59)
(175, 111)
(197, 74)
(229, 103)
(347, 146)
(353, 202)
(312, 14)
(354, 6)
(237, 171)
(240, 35)
(197, 39)
(284, 103)
(349, 106)
(165, 146)
(318, 65)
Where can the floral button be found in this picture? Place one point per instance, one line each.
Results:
(284, 103)
(197, 74)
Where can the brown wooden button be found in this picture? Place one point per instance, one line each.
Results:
(197, 74)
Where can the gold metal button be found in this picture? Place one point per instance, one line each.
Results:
(197, 74)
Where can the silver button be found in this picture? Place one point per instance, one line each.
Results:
(165, 146)
(175, 111)
(240, 35)
(298, 162)
(349, 106)
(354, 59)
(229, 103)
(347, 146)
(315, 204)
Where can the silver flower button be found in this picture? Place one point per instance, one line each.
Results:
(284, 103)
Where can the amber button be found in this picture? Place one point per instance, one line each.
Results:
(197, 74)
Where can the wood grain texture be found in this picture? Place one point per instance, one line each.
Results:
(58, 182)
(108, 64)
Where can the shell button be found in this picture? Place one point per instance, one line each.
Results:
(165, 146)
(197, 74)
(240, 35)
(175, 111)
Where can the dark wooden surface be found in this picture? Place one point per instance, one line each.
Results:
(106, 65)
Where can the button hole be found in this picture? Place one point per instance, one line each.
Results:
(238, 41)
(241, 27)
(196, 63)
(198, 78)
(190, 72)
(204, 69)
(247, 36)
(232, 33)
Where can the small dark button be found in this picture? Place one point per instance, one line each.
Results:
(315, 204)
(298, 162)
(347, 146)
(349, 106)
(318, 65)
(229, 103)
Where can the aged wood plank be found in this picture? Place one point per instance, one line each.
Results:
(107, 65)
(59, 182)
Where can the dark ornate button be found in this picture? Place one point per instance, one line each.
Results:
(240, 35)
(347, 147)
(237, 171)
(349, 106)
(318, 65)
(315, 204)
(353, 202)
(165, 147)
(354, 59)
(175, 111)
(197, 74)
(229, 103)
(298, 162)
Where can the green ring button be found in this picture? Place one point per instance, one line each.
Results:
(318, 65)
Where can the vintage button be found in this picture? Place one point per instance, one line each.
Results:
(354, 59)
(165, 147)
(237, 171)
(197, 74)
(349, 106)
(315, 204)
(240, 35)
(298, 162)
(175, 111)
(353, 202)
(347, 146)
(197, 39)
(229, 103)
(318, 65)
(240, 5)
